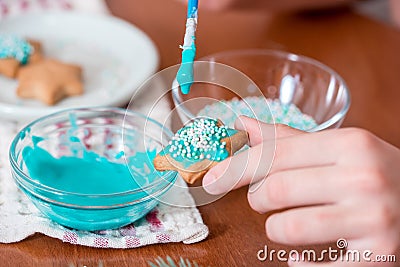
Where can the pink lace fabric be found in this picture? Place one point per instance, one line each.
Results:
(20, 218)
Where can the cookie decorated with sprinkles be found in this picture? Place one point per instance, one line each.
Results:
(16, 51)
(199, 146)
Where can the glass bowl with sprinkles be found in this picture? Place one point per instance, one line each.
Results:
(272, 86)
(91, 168)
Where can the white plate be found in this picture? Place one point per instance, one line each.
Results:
(116, 58)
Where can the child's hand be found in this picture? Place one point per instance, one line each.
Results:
(333, 184)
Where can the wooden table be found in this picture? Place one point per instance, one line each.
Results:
(364, 52)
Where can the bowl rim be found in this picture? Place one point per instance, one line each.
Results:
(177, 99)
(25, 177)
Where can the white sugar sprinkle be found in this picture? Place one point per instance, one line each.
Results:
(256, 107)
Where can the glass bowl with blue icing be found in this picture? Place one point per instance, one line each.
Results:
(273, 86)
(91, 169)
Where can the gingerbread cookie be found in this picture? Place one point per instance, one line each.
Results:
(15, 51)
(49, 80)
(37, 53)
(199, 146)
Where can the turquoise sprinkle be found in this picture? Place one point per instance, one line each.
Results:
(198, 140)
(15, 47)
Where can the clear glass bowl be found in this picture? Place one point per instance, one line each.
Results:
(107, 132)
(314, 88)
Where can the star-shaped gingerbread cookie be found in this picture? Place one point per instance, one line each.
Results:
(49, 81)
(199, 146)
(15, 52)
(37, 51)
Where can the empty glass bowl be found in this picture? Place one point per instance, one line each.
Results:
(114, 135)
(314, 88)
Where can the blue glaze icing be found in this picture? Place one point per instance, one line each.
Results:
(185, 72)
(192, 8)
(231, 131)
(89, 174)
(15, 47)
(85, 171)
(143, 160)
(74, 139)
(24, 133)
(81, 171)
(36, 140)
(56, 173)
(120, 155)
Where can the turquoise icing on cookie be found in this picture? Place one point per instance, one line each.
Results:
(15, 47)
(185, 72)
(200, 139)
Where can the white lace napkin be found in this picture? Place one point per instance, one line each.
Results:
(20, 218)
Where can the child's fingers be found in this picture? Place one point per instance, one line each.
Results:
(320, 224)
(259, 131)
(300, 187)
(242, 169)
(250, 166)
